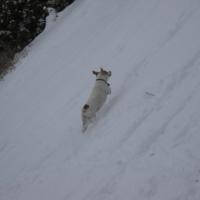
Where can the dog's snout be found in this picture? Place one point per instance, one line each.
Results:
(109, 73)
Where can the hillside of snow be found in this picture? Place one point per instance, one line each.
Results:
(145, 144)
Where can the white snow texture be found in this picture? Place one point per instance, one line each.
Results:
(145, 144)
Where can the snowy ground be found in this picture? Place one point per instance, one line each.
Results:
(145, 144)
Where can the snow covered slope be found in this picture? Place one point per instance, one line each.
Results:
(145, 144)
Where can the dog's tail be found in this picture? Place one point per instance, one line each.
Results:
(85, 107)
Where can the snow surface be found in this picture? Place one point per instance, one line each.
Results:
(146, 141)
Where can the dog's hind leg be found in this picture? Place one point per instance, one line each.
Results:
(85, 119)
(86, 122)
(85, 125)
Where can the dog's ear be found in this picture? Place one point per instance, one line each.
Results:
(95, 73)
(103, 71)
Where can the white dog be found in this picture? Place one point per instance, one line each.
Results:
(97, 98)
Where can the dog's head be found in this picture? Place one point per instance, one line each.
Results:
(102, 74)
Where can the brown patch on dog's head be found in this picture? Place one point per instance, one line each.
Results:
(86, 106)
(104, 72)
(95, 73)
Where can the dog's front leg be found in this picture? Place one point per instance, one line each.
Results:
(93, 119)
(108, 90)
